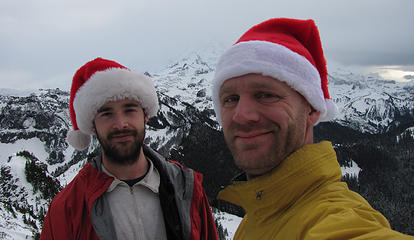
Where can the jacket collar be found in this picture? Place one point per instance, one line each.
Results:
(300, 173)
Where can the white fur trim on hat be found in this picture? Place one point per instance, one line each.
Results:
(274, 60)
(112, 85)
(78, 139)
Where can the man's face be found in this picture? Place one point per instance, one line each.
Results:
(264, 120)
(120, 127)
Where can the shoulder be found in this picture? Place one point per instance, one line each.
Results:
(78, 188)
(334, 197)
(73, 188)
(336, 210)
(165, 165)
(350, 223)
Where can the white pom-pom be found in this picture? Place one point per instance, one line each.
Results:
(331, 112)
(78, 139)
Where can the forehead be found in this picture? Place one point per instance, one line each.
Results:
(252, 82)
(121, 103)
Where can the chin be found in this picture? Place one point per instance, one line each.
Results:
(257, 165)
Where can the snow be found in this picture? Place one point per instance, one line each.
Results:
(22, 233)
(229, 222)
(11, 228)
(70, 174)
(353, 170)
(368, 101)
(29, 123)
(410, 132)
(17, 165)
(185, 78)
(33, 145)
(357, 96)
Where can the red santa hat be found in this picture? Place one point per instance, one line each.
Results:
(288, 50)
(98, 82)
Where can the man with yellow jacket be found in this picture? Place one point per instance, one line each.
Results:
(269, 90)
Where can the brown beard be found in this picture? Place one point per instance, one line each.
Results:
(122, 155)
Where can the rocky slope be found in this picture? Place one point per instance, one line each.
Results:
(36, 162)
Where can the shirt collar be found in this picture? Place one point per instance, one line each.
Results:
(150, 181)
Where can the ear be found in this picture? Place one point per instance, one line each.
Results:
(313, 117)
(146, 117)
(94, 127)
(311, 120)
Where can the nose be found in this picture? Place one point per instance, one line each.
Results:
(120, 121)
(246, 111)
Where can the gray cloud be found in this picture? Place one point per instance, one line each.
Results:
(46, 41)
(409, 77)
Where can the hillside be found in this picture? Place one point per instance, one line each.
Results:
(373, 136)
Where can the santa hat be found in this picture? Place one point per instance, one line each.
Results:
(98, 82)
(288, 50)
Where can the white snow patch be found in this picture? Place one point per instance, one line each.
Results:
(229, 221)
(17, 165)
(33, 145)
(29, 122)
(353, 170)
(71, 173)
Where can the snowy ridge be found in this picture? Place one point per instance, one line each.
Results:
(37, 122)
(369, 103)
(187, 81)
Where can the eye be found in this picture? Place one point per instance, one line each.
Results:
(105, 114)
(230, 100)
(267, 97)
(131, 110)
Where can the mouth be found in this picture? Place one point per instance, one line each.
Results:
(251, 136)
(121, 136)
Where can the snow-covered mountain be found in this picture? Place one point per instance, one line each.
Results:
(369, 103)
(33, 126)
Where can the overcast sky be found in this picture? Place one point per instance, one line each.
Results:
(43, 42)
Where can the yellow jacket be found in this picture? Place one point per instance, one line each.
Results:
(303, 198)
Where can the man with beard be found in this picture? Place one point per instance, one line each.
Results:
(269, 90)
(128, 191)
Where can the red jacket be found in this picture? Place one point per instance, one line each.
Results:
(80, 211)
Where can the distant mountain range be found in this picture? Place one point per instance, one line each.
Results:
(33, 127)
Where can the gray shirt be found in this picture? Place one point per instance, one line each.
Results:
(136, 210)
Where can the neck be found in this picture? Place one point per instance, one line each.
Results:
(308, 139)
(127, 172)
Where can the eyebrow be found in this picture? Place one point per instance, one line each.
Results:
(104, 109)
(260, 85)
(126, 105)
(254, 85)
(225, 90)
